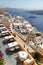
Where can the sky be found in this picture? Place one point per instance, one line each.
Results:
(24, 4)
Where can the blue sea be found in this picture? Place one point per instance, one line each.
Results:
(37, 22)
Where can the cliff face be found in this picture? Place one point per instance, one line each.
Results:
(5, 21)
(3, 11)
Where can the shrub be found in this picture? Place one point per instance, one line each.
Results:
(1, 61)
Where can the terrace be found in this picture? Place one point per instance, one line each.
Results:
(12, 57)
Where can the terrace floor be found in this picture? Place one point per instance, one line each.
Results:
(10, 59)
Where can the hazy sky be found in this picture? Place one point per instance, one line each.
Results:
(25, 4)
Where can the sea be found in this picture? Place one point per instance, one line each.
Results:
(36, 21)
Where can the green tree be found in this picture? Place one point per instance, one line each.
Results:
(37, 56)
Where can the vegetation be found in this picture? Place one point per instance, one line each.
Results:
(37, 62)
(1, 58)
(1, 61)
(37, 56)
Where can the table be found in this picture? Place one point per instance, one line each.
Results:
(28, 62)
(22, 55)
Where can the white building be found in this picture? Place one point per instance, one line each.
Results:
(40, 49)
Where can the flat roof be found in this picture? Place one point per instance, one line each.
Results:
(28, 25)
(1, 24)
(41, 46)
(18, 24)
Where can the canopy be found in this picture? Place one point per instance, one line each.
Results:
(12, 44)
(2, 27)
(4, 31)
(8, 37)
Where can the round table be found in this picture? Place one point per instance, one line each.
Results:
(22, 55)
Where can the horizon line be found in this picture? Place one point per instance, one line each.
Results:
(21, 8)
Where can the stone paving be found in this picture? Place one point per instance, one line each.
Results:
(9, 59)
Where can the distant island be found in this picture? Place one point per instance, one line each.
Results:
(39, 12)
(32, 17)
